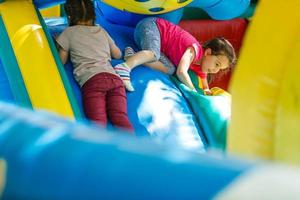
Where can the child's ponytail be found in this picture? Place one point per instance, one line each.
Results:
(79, 10)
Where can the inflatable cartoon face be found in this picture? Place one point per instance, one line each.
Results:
(147, 6)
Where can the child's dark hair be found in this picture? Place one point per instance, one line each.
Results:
(220, 46)
(79, 10)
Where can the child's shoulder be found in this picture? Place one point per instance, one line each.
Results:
(97, 26)
(69, 29)
(81, 28)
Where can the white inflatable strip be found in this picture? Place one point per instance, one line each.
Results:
(2, 175)
(269, 182)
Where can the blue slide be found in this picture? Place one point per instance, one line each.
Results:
(157, 108)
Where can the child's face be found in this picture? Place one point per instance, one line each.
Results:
(213, 63)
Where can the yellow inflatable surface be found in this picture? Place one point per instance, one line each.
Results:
(51, 12)
(219, 91)
(35, 59)
(147, 7)
(265, 87)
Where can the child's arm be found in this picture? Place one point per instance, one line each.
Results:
(62, 45)
(115, 51)
(63, 55)
(183, 66)
(205, 85)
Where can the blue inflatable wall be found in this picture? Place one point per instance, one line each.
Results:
(48, 157)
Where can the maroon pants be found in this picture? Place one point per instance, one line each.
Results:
(104, 97)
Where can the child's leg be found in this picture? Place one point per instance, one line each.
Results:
(94, 103)
(128, 52)
(164, 64)
(140, 57)
(124, 69)
(117, 106)
(147, 37)
(124, 72)
(170, 67)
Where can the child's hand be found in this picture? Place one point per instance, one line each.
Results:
(55, 36)
(207, 92)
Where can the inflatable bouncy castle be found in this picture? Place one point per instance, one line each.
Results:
(182, 149)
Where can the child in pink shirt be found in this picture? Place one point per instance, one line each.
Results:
(165, 45)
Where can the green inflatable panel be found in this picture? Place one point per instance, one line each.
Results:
(212, 112)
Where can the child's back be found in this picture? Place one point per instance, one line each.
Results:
(89, 48)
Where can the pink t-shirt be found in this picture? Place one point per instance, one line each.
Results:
(175, 41)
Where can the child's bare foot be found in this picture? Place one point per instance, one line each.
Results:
(128, 53)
